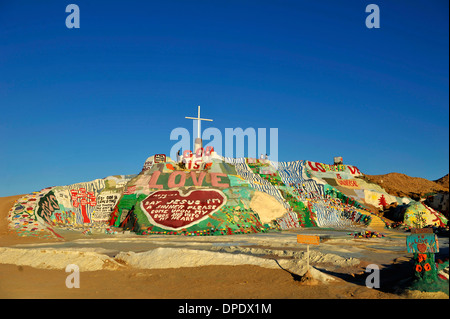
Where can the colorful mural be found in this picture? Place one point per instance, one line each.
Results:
(419, 215)
(73, 207)
(22, 216)
(424, 245)
(174, 210)
(304, 200)
(226, 196)
(172, 200)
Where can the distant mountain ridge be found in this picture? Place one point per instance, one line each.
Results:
(443, 181)
(398, 184)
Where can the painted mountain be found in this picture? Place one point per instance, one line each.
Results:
(213, 195)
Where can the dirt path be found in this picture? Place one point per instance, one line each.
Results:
(208, 282)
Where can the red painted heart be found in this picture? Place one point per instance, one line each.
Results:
(422, 248)
(169, 209)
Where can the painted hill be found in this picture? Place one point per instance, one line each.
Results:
(221, 196)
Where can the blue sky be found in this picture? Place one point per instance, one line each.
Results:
(80, 104)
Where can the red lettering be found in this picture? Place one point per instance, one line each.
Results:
(187, 154)
(208, 150)
(197, 164)
(353, 170)
(154, 180)
(215, 179)
(318, 167)
(199, 181)
(199, 152)
(171, 182)
(313, 168)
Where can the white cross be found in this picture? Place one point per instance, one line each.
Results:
(199, 135)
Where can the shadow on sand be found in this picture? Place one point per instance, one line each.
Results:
(393, 278)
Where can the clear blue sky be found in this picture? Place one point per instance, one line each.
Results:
(80, 104)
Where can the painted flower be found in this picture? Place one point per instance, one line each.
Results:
(427, 267)
(418, 268)
(422, 257)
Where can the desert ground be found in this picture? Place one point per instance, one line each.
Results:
(262, 266)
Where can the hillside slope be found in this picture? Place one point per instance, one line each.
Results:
(444, 181)
(400, 185)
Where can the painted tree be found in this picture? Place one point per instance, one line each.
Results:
(382, 201)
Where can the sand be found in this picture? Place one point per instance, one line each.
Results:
(210, 282)
(5, 204)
